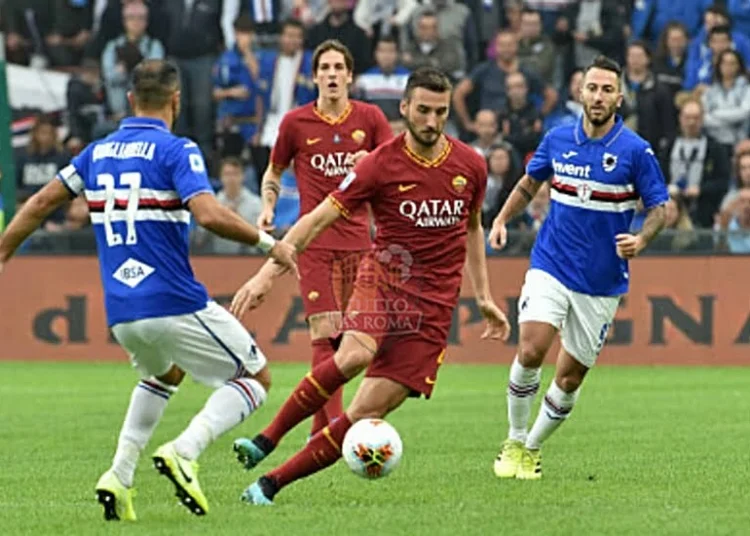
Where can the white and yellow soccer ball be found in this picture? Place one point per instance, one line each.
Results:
(372, 448)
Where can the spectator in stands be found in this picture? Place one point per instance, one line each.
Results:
(501, 178)
(571, 108)
(109, 24)
(430, 49)
(536, 52)
(384, 84)
(651, 16)
(734, 222)
(594, 27)
(699, 67)
(695, 166)
(456, 25)
(671, 57)
(488, 135)
(195, 39)
(76, 217)
(648, 107)
(740, 13)
(726, 103)
(27, 23)
(38, 163)
(71, 32)
(237, 91)
(237, 198)
(87, 107)
(520, 121)
(383, 18)
(741, 181)
(489, 18)
(308, 12)
(286, 82)
(267, 17)
(123, 53)
(699, 71)
(339, 24)
(678, 220)
(488, 79)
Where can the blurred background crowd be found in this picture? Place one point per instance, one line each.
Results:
(516, 67)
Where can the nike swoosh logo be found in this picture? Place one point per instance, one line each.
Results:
(429, 381)
(184, 474)
(406, 187)
(312, 141)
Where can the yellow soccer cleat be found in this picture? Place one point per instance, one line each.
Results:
(184, 475)
(508, 460)
(531, 465)
(116, 499)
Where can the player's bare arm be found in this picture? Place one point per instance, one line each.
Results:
(30, 217)
(628, 245)
(476, 266)
(307, 228)
(517, 202)
(270, 188)
(463, 89)
(217, 218)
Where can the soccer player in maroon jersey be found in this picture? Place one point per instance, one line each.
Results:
(324, 139)
(426, 191)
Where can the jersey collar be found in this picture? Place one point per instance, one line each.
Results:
(612, 135)
(143, 122)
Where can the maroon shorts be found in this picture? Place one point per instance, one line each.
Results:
(327, 279)
(411, 334)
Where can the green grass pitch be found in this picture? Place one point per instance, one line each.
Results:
(646, 451)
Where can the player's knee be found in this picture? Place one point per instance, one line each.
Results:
(263, 377)
(569, 382)
(531, 352)
(322, 326)
(352, 359)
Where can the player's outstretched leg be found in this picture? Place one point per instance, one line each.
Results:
(375, 398)
(228, 406)
(114, 490)
(323, 350)
(353, 356)
(523, 384)
(556, 407)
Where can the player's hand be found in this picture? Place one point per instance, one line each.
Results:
(285, 254)
(265, 219)
(628, 245)
(498, 235)
(356, 157)
(498, 327)
(250, 296)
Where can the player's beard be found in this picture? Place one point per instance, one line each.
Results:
(602, 119)
(420, 136)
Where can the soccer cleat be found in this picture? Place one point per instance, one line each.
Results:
(254, 495)
(248, 453)
(508, 460)
(116, 499)
(531, 465)
(184, 475)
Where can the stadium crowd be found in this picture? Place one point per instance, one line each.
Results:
(516, 68)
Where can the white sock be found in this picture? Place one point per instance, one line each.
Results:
(228, 406)
(555, 409)
(146, 407)
(523, 385)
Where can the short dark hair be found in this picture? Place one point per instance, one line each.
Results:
(429, 78)
(154, 82)
(232, 161)
(338, 46)
(605, 63)
(388, 39)
(722, 29)
(244, 23)
(293, 23)
(718, 9)
(643, 45)
(530, 11)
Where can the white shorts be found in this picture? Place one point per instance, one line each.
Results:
(583, 320)
(211, 345)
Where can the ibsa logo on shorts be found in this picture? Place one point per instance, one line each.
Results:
(332, 164)
(432, 213)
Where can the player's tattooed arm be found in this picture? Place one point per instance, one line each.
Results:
(271, 186)
(519, 198)
(654, 223)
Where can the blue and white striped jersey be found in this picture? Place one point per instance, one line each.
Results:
(595, 185)
(137, 182)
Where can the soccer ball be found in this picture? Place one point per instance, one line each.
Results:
(372, 448)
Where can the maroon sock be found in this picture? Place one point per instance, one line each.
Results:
(323, 450)
(306, 399)
(322, 351)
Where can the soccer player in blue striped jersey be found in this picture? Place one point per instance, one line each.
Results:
(597, 170)
(142, 183)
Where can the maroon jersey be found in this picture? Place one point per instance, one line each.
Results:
(322, 149)
(421, 211)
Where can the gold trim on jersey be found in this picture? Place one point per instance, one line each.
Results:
(341, 208)
(334, 120)
(422, 161)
